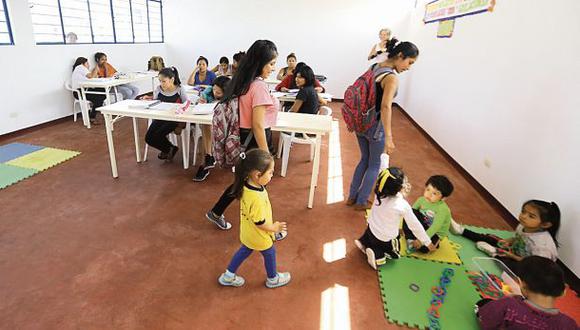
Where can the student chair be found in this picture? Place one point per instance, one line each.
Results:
(83, 105)
(196, 137)
(286, 140)
(184, 144)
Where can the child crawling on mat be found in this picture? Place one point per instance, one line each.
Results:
(380, 240)
(541, 282)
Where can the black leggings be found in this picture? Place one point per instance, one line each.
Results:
(493, 241)
(227, 198)
(96, 99)
(382, 250)
(409, 234)
(157, 134)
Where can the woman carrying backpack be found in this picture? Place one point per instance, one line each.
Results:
(258, 110)
(372, 143)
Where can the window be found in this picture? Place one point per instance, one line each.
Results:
(5, 30)
(96, 21)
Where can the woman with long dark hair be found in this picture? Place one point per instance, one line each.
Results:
(258, 110)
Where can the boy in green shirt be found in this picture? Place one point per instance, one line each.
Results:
(432, 212)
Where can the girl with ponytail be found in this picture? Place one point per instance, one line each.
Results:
(534, 236)
(257, 230)
(170, 91)
(378, 138)
(380, 241)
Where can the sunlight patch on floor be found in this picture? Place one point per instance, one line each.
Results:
(335, 191)
(335, 250)
(335, 308)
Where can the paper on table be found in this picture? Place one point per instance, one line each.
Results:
(164, 106)
(142, 104)
(294, 90)
(203, 108)
(278, 94)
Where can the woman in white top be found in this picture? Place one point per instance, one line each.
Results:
(379, 51)
(81, 73)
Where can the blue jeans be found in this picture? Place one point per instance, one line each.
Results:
(244, 252)
(372, 145)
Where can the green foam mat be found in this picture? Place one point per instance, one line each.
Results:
(11, 174)
(43, 159)
(406, 307)
(468, 250)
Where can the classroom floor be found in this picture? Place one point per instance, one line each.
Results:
(81, 250)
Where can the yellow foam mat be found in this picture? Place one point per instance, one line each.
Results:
(447, 252)
(43, 159)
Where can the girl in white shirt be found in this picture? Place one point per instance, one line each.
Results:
(82, 73)
(380, 240)
(379, 51)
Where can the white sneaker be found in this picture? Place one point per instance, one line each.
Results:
(456, 228)
(486, 248)
(371, 258)
(359, 245)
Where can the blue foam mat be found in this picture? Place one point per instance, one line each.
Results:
(11, 151)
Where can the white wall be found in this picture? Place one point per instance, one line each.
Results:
(32, 89)
(504, 88)
(334, 38)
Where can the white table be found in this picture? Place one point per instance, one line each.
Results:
(108, 83)
(287, 122)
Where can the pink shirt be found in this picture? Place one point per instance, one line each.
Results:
(258, 94)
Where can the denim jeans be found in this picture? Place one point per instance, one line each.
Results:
(244, 252)
(371, 144)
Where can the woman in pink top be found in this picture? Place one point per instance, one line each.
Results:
(258, 109)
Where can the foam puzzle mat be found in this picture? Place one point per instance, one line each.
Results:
(405, 306)
(19, 161)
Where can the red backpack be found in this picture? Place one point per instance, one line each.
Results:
(359, 111)
(225, 132)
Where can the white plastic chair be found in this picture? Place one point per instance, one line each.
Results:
(286, 140)
(83, 105)
(173, 139)
(196, 137)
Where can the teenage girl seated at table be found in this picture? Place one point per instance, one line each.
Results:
(289, 82)
(201, 76)
(169, 90)
(291, 61)
(224, 68)
(82, 73)
(211, 94)
(307, 98)
(106, 70)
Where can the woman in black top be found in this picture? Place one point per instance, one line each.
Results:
(307, 98)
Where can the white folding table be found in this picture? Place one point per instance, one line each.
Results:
(287, 122)
(108, 83)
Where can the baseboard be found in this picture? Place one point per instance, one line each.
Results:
(571, 278)
(27, 130)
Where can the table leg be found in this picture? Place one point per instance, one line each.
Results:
(108, 129)
(315, 169)
(84, 110)
(186, 140)
(137, 139)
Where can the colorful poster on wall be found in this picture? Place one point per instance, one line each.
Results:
(442, 10)
(445, 29)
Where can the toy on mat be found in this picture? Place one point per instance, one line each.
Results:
(489, 290)
(439, 293)
(414, 287)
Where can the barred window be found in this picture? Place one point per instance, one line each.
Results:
(96, 21)
(5, 29)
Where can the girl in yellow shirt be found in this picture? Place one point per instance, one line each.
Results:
(257, 230)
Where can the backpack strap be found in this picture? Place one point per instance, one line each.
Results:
(381, 73)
